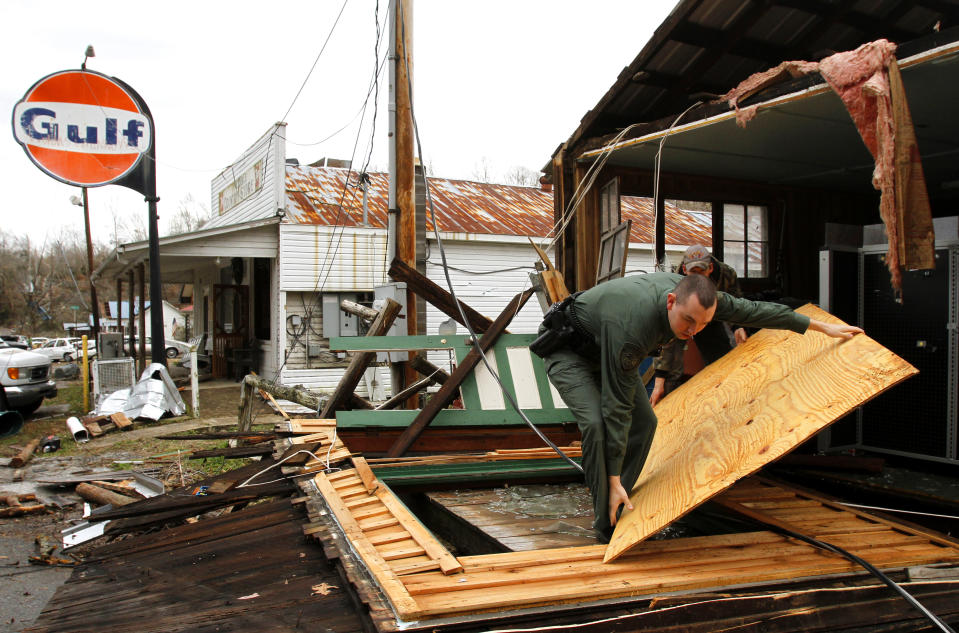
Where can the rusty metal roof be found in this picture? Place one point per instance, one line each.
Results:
(331, 196)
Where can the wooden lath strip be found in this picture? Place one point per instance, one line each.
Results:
(770, 505)
(472, 458)
(428, 564)
(360, 502)
(377, 523)
(936, 537)
(308, 426)
(390, 536)
(324, 436)
(352, 490)
(404, 553)
(392, 586)
(341, 474)
(366, 512)
(434, 549)
(266, 395)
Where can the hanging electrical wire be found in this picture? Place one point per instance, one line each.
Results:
(439, 242)
(592, 174)
(316, 61)
(326, 267)
(659, 156)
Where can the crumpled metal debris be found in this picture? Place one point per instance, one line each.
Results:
(152, 397)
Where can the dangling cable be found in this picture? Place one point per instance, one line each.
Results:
(658, 163)
(835, 549)
(449, 282)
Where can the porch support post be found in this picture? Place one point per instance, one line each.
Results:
(141, 273)
(130, 322)
(119, 314)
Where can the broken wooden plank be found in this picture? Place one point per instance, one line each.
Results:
(361, 360)
(429, 370)
(750, 407)
(185, 505)
(553, 284)
(441, 299)
(121, 420)
(447, 393)
(234, 452)
(405, 395)
(366, 475)
(269, 396)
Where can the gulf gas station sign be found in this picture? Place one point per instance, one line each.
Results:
(83, 128)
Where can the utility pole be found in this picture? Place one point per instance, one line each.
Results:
(401, 240)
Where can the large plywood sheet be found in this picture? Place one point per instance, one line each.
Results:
(749, 408)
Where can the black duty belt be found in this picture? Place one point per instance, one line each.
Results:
(562, 329)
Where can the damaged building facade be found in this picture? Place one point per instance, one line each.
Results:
(289, 242)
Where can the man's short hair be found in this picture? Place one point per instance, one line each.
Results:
(699, 285)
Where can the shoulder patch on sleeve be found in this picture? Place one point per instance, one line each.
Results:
(630, 357)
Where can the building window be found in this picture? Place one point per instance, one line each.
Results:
(746, 239)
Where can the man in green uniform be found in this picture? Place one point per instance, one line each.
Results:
(716, 339)
(606, 331)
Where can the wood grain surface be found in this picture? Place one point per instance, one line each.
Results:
(747, 409)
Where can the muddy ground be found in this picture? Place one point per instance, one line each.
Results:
(24, 587)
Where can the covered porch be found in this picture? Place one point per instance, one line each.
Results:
(229, 273)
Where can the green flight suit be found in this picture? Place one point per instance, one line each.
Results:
(627, 320)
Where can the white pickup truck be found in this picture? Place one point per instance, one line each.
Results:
(25, 377)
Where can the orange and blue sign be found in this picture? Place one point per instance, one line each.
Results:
(83, 128)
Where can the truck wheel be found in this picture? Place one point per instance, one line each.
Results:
(67, 357)
(172, 352)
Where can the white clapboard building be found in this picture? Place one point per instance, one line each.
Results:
(288, 242)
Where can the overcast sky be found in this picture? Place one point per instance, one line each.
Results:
(496, 83)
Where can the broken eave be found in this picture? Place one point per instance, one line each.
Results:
(802, 135)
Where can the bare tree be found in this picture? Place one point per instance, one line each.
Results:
(130, 226)
(189, 216)
(522, 176)
(482, 171)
